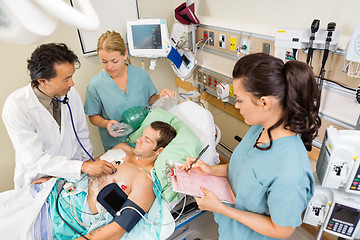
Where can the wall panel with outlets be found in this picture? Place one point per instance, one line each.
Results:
(338, 104)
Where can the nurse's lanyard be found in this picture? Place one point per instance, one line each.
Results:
(66, 101)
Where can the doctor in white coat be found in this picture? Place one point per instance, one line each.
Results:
(40, 130)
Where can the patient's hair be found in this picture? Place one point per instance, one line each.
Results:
(167, 133)
(112, 41)
(43, 60)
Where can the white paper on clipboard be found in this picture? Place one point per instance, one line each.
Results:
(190, 184)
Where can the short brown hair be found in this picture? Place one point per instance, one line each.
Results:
(167, 133)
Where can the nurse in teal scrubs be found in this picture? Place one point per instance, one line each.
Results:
(118, 87)
(269, 171)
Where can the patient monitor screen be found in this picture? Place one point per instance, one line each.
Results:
(147, 36)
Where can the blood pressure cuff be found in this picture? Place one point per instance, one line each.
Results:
(112, 198)
(128, 217)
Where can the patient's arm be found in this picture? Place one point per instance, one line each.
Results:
(141, 194)
(41, 180)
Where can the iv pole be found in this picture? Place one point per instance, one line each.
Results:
(188, 3)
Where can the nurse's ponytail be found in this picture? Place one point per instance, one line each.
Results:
(302, 101)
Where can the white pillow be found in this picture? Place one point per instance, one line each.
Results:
(201, 122)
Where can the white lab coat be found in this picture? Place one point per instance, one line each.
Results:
(41, 148)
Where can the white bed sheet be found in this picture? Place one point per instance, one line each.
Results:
(19, 210)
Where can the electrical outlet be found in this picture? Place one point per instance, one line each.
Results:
(266, 48)
(199, 78)
(204, 79)
(209, 81)
(222, 40)
(211, 40)
(289, 55)
(206, 36)
(245, 46)
(233, 43)
(231, 90)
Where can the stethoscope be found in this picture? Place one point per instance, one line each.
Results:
(66, 101)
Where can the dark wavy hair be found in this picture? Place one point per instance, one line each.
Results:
(167, 133)
(42, 61)
(292, 83)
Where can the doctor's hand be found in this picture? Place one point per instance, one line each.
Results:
(199, 167)
(167, 92)
(209, 202)
(97, 168)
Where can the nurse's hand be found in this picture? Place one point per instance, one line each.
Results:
(167, 92)
(209, 202)
(108, 126)
(97, 168)
(199, 167)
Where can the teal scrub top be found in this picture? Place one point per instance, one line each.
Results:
(277, 182)
(105, 98)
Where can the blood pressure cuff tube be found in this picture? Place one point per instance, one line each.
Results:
(128, 217)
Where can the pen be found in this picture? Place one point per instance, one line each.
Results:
(200, 154)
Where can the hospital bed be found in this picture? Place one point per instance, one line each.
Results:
(198, 119)
(201, 123)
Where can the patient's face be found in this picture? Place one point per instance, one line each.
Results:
(146, 144)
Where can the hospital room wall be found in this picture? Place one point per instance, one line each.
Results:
(284, 13)
(14, 75)
(266, 17)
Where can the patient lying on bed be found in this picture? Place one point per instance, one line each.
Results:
(23, 213)
(133, 175)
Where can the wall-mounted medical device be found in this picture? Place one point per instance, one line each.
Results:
(187, 63)
(338, 212)
(353, 53)
(338, 162)
(177, 33)
(148, 38)
(288, 40)
(223, 91)
(353, 50)
(30, 21)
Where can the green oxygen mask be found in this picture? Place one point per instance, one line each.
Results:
(135, 116)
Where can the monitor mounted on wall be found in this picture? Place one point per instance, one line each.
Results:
(148, 38)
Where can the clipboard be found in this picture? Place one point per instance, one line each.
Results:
(190, 184)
